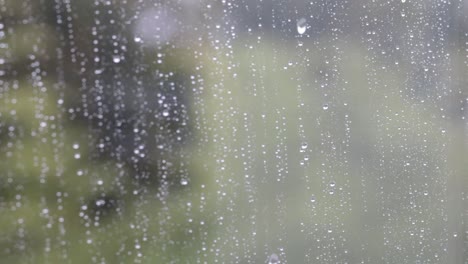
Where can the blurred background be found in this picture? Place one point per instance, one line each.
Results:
(196, 131)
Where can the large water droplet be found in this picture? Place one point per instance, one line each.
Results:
(184, 181)
(273, 259)
(116, 59)
(301, 26)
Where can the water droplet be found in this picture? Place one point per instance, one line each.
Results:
(100, 202)
(100, 182)
(273, 259)
(301, 26)
(312, 199)
(325, 106)
(304, 145)
(403, 1)
(165, 113)
(184, 181)
(116, 59)
(137, 39)
(332, 184)
(98, 71)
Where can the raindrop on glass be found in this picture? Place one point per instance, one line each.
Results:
(116, 59)
(312, 199)
(184, 182)
(273, 259)
(301, 26)
(100, 202)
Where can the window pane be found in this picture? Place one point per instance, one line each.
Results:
(246, 131)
